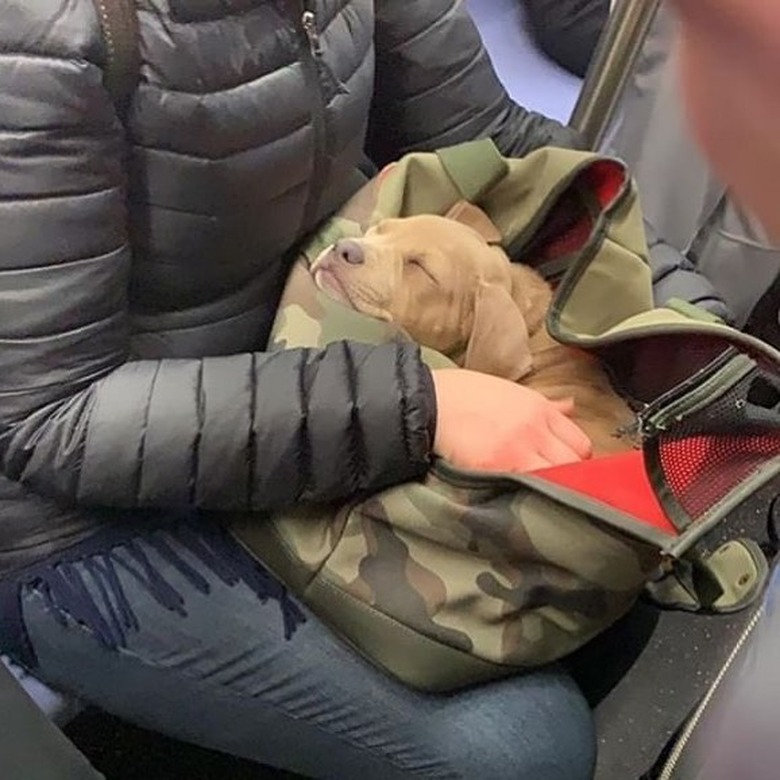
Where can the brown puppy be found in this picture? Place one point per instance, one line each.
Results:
(450, 289)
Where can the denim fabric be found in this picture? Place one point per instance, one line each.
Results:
(220, 668)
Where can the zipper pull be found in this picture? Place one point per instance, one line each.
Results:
(309, 22)
(648, 426)
(642, 428)
(633, 433)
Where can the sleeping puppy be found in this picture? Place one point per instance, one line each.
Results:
(442, 281)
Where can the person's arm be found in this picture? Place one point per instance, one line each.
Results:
(435, 86)
(675, 276)
(568, 31)
(78, 421)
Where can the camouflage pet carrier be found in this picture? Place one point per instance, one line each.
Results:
(464, 577)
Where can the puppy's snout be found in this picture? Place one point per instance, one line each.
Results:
(350, 252)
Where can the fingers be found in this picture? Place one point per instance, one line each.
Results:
(571, 435)
(564, 406)
(529, 462)
(556, 452)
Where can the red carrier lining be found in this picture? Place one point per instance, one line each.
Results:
(569, 225)
(606, 179)
(570, 239)
(619, 481)
(699, 471)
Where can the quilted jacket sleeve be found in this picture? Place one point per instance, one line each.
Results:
(675, 276)
(80, 422)
(435, 86)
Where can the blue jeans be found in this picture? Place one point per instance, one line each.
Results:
(214, 666)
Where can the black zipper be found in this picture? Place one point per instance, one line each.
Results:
(646, 426)
(312, 64)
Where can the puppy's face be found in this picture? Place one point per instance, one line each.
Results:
(421, 272)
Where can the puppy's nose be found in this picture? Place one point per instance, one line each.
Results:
(350, 252)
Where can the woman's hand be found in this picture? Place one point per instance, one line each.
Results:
(490, 424)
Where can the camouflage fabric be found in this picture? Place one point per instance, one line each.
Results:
(461, 578)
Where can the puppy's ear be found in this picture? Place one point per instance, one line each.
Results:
(499, 343)
(472, 216)
(532, 295)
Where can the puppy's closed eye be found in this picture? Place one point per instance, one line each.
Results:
(417, 264)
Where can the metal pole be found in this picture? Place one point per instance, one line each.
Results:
(613, 63)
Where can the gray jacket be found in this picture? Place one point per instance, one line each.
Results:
(680, 195)
(139, 274)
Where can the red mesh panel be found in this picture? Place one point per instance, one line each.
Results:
(711, 452)
(701, 471)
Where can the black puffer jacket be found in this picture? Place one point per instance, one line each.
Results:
(135, 299)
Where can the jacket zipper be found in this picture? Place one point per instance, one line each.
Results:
(309, 23)
(670, 767)
(312, 63)
(119, 24)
